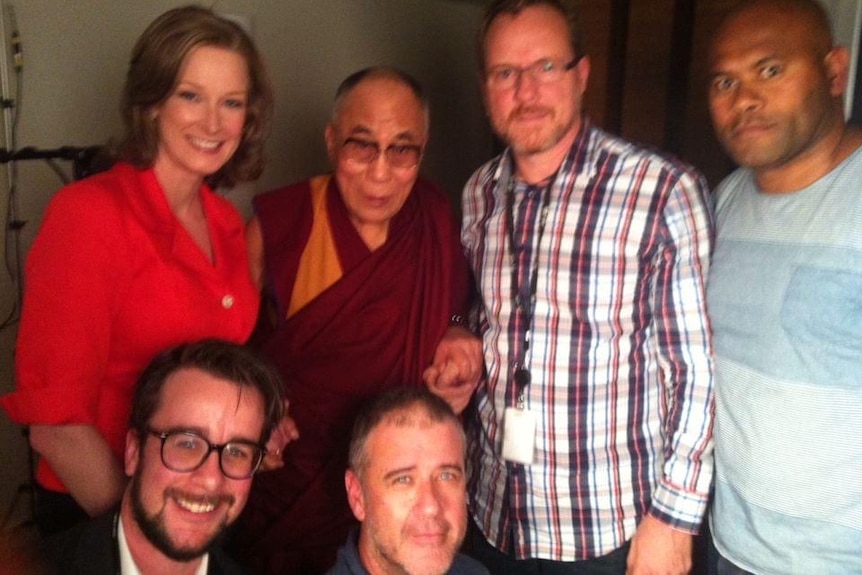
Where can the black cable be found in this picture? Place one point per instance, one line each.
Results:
(12, 256)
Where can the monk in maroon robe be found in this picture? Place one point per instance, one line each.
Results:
(365, 272)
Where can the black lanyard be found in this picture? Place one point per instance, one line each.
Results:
(526, 308)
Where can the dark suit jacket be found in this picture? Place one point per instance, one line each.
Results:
(90, 549)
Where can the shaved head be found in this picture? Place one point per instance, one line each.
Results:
(808, 18)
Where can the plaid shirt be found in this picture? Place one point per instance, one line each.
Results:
(620, 352)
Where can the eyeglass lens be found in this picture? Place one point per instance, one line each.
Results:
(365, 152)
(543, 72)
(184, 451)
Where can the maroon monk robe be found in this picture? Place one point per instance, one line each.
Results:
(375, 328)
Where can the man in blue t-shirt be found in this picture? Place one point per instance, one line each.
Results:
(785, 296)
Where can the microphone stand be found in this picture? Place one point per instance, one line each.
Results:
(80, 157)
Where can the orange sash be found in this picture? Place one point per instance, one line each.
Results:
(319, 266)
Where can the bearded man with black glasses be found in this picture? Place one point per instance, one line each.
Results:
(201, 416)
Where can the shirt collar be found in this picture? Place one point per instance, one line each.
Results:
(583, 142)
(127, 563)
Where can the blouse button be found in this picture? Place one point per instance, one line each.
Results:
(227, 301)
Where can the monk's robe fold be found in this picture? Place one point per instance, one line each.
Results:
(375, 327)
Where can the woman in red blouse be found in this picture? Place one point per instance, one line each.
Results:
(140, 258)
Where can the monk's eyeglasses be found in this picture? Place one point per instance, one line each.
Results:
(397, 155)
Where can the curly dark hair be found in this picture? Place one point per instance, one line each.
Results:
(225, 360)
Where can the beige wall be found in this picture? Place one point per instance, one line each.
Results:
(75, 55)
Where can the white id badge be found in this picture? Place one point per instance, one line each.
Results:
(519, 435)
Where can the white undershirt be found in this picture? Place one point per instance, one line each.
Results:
(127, 563)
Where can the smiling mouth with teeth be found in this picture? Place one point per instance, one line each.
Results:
(206, 144)
(199, 504)
(195, 507)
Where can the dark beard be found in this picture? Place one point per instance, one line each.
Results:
(153, 529)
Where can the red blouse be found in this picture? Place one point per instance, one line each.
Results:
(112, 279)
